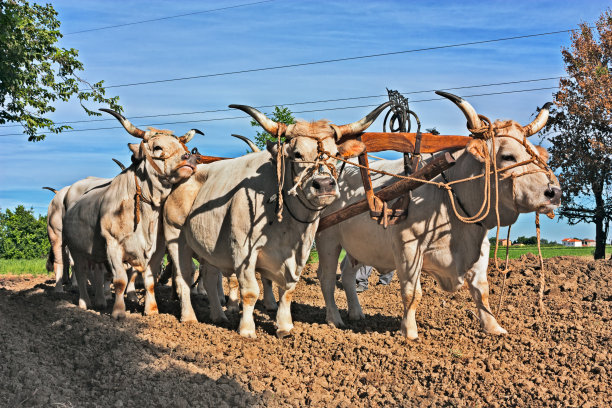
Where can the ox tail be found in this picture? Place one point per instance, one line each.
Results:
(50, 189)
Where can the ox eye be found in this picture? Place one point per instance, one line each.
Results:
(508, 157)
(297, 155)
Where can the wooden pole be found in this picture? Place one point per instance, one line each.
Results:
(431, 170)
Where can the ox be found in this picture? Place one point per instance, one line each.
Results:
(432, 239)
(227, 213)
(118, 224)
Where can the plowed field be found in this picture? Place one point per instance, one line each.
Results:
(53, 354)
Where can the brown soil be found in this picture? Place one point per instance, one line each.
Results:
(53, 354)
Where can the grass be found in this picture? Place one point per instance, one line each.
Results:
(547, 252)
(23, 267)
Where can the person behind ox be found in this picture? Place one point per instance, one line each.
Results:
(363, 272)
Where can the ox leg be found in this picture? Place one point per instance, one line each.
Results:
(130, 290)
(150, 302)
(108, 294)
(183, 270)
(211, 278)
(249, 289)
(80, 270)
(409, 274)
(268, 295)
(328, 265)
(98, 282)
(114, 254)
(479, 289)
(233, 301)
(284, 323)
(349, 283)
(220, 293)
(58, 266)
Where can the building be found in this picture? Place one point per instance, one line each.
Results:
(504, 242)
(588, 242)
(571, 242)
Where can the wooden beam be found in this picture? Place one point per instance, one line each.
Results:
(429, 171)
(404, 142)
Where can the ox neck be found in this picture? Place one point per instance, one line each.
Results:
(470, 193)
(153, 194)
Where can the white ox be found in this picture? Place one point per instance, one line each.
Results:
(432, 239)
(226, 213)
(118, 224)
(63, 199)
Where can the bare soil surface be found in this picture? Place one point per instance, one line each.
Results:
(53, 354)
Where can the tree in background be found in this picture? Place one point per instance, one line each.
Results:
(580, 129)
(22, 235)
(280, 114)
(35, 72)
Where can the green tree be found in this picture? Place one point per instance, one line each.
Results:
(35, 72)
(281, 114)
(22, 235)
(581, 129)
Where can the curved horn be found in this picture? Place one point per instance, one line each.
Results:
(121, 166)
(189, 135)
(539, 122)
(50, 189)
(473, 121)
(131, 129)
(355, 128)
(268, 124)
(248, 141)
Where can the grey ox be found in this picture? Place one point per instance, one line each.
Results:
(118, 224)
(432, 239)
(227, 213)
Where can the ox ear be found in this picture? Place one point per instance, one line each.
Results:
(137, 152)
(272, 147)
(543, 153)
(351, 148)
(478, 149)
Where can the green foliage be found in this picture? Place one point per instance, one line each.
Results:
(547, 251)
(35, 72)
(22, 235)
(281, 114)
(433, 131)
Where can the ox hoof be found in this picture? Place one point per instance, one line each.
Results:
(247, 330)
(410, 333)
(219, 319)
(118, 314)
(59, 288)
(83, 304)
(356, 316)
(335, 322)
(100, 305)
(498, 331)
(281, 334)
(248, 334)
(150, 311)
(188, 318)
(131, 296)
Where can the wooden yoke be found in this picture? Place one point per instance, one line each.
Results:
(404, 143)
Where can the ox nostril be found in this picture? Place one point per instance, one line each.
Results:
(186, 156)
(316, 184)
(332, 182)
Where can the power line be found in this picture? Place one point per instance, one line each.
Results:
(169, 17)
(304, 111)
(303, 64)
(303, 103)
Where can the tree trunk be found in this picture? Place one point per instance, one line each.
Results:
(600, 236)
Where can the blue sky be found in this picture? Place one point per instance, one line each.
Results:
(284, 32)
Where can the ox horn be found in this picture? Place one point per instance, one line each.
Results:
(121, 166)
(539, 122)
(189, 135)
(50, 189)
(131, 129)
(473, 121)
(355, 128)
(248, 141)
(268, 124)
